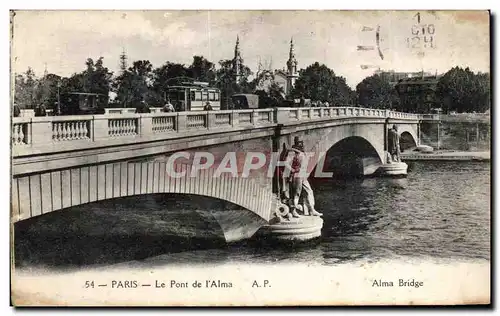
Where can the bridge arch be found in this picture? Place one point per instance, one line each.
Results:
(323, 141)
(39, 194)
(363, 141)
(130, 228)
(407, 141)
(408, 136)
(353, 155)
(158, 214)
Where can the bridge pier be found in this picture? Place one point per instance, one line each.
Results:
(284, 227)
(388, 166)
(393, 169)
(297, 229)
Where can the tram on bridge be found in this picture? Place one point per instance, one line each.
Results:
(192, 95)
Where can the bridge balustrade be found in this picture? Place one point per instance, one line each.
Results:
(42, 134)
(78, 130)
(21, 131)
(300, 114)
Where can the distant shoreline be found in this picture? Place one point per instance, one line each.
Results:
(449, 156)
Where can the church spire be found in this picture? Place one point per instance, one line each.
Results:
(291, 64)
(259, 67)
(123, 61)
(238, 61)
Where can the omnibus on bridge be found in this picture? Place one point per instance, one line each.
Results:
(192, 96)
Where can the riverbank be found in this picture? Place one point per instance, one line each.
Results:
(447, 155)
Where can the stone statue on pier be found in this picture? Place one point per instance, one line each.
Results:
(393, 145)
(296, 193)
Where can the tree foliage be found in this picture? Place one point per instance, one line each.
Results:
(134, 84)
(375, 92)
(26, 89)
(202, 70)
(226, 81)
(319, 83)
(462, 90)
(97, 78)
(31, 91)
(163, 75)
(47, 91)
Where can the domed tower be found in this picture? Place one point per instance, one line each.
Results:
(292, 73)
(238, 61)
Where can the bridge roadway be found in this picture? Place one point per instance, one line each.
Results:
(59, 162)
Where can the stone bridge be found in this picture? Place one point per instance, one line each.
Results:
(60, 162)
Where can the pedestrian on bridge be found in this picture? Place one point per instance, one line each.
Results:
(41, 110)
(143, 107)
(16, 110)
(168, 107)
(208, 107)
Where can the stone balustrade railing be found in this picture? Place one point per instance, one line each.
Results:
(56, 132)
(78, 129)
(21, 131)
(300, 114)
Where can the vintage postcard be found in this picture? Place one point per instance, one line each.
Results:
(250, 158)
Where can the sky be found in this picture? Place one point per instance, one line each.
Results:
(63, 40)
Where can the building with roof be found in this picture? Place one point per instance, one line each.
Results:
(285, 78)
(393, 77)
(418, 94)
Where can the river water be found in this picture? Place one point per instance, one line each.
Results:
(441, 210)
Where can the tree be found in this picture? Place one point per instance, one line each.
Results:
(75, 83)
(162, 76)
(202, 70)
(319, 83)
(276, 95)
(462, 90)
(101, 78)
(25, 90)
(483, 91)
(135, 84)
(226, 81)
(375, 92)
(48, 88)
(96, 78)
